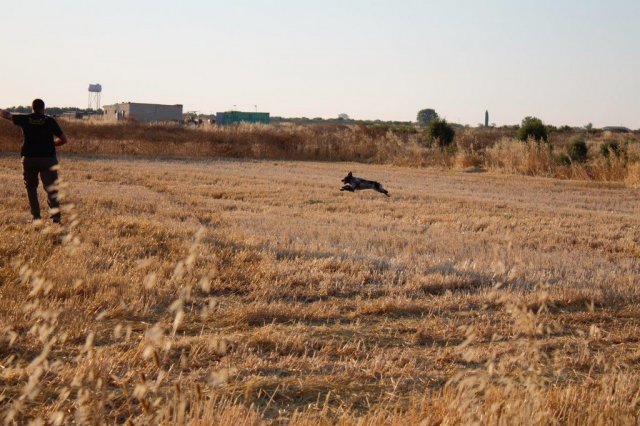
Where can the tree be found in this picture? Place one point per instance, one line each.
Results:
(425, 116)
(534, 128)
(20, 109)
(343, 117)
(440, 132)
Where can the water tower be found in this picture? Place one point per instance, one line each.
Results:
(94, 96)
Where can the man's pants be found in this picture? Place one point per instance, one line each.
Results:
(32, 167)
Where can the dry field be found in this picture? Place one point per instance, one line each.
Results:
(249, 292)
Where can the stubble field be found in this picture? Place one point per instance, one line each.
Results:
(242, 292)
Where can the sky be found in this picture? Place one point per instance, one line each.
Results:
(565, 61)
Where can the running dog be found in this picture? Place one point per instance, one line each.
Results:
(352, 183)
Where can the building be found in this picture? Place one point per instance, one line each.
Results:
(235, 117)
(73, 115)
(142, 112)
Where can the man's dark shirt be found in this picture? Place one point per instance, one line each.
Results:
(38, 131)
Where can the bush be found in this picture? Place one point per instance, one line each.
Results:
(563, 160)
(440, 132)
(610, 147)
(533, 128)
(578, 151)
(405, 130)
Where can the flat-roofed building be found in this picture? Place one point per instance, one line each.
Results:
(235, 117)
(142, 112)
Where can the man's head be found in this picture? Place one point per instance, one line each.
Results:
(38, 106)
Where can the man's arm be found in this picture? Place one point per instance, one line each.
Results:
(5, 114)
(62, 139)
(58, 133)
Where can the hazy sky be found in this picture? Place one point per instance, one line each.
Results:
(565, 61)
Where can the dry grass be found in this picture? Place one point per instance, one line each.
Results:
(474, 149)
(250, 292)
(294, 142)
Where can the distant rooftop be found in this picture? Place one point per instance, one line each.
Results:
(144, 103)
(616, 129)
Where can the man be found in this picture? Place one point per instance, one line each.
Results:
(39, 155)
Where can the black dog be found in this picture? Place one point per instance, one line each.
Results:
(352, 183)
